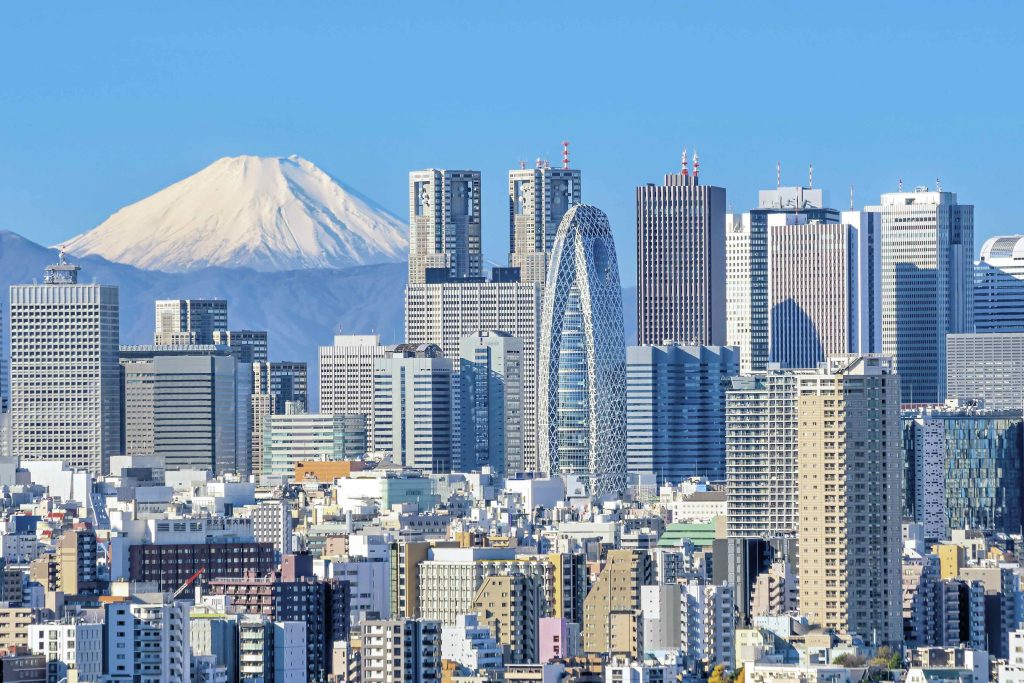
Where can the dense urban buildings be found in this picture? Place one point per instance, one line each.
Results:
(582, 378)
(675, 410)
(509, 493)
(927, 284)
(65, 387)
(680, 260)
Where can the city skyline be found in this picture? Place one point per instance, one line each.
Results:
(62, 175)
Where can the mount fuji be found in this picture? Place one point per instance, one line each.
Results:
(262, 213)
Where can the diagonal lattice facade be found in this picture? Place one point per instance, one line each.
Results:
(582, 374)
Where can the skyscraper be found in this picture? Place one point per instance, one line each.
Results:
(849, 538)
(537, 200)
(189, 321)
(747, 267)
(189, 404)
(346, 370)
(999, 285)
(824, 286)
(927, 285)
(675, 409)
(249, 345)
(491, 402)
(65, 379)
(444, 224)
(445, 313)
(761, 455)
(680, 261)
(986, 367)
(582, 375)
(412, 407)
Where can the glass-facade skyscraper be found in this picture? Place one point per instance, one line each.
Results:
(582, 374)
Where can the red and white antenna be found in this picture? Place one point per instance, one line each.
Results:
(686, 169)
(810, 177)
(696, 163)
(901, 185)
(565, 154)
(778, 174)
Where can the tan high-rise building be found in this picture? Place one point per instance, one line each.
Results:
(510, 606)
(537, 200)
(849, 485)
(612, 622)
(444, 224)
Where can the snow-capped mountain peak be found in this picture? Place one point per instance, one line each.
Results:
(264, 213)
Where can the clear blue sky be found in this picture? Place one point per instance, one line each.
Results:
(104, 103)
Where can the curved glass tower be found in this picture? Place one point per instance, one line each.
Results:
(582, 374)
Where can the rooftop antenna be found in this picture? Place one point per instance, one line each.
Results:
(901, 185)
(522, 164)
(565, 154)
(938, 185)
(778, 174)
(810, 177)
(851, 196)
(540, 164)
(686, 170)
(696, 163)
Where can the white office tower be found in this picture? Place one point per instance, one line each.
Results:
(147, 639)
(849, 440)
(65, 378)
(412, 407)
(537, 200)
(999, 285)
(490, 402)
(444, 224)
(680, 261)
(401, 650)
(824, 287)
(708, 623)
(189, 321)
(295, 437)
(445, 313)
(761, 455)
(746, 267)
(188, 404)
(346, 377)
(927, 285)
(582, 374)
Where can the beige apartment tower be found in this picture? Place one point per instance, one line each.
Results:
(849, 484)
(612, 618)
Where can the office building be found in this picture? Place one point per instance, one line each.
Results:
(491, 402)
(171, 564)
(250, 346)
(824, 287)
(213, 633)
(986, 367)
(761, 455)
(675, 410)
(189, 321)
(412, 408)
(4, 381)
(401, 650)
(346, 372)
(964, 469)
(680, 260)
(445, 313)
(747, 267)
(582, 374)
(188, 404)
(298, 437)
(444, 224)
(927, 285)
(65, 381)
(537, 200)
(612, 618)
(849, 537)
(272, 523)
(999, 286)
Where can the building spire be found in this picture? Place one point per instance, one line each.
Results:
(565, 154)
(901, 185)
(938, 185)
(696, 163)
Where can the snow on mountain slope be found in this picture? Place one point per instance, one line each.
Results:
(264, 213)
